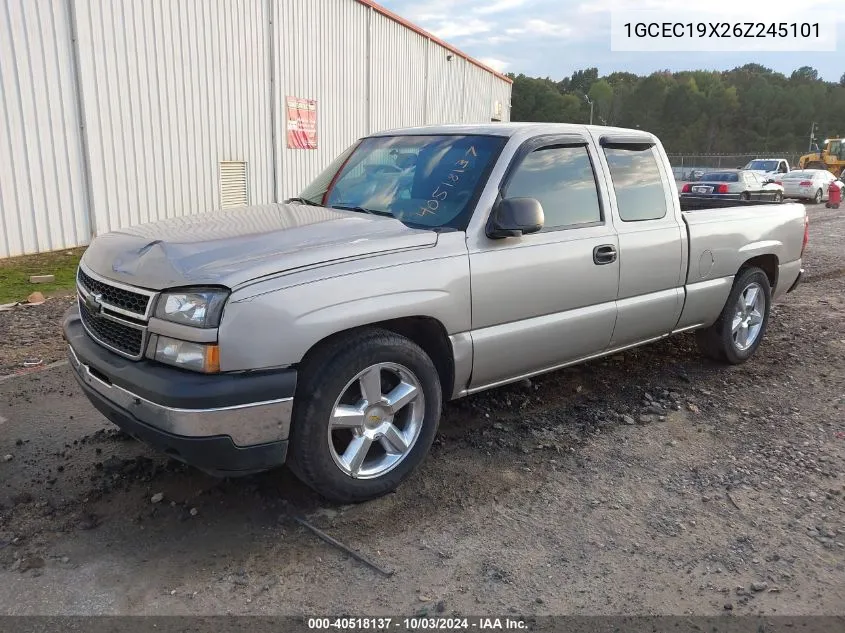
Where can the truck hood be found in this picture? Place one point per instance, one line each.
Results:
(234, 246)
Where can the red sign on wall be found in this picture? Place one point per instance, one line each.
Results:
(302, 123)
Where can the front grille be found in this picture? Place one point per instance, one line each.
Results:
(114, 296)
(122, 338)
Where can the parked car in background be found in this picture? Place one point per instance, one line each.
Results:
(734, 185)
(327, 331)
(807, 184)
(768, 166)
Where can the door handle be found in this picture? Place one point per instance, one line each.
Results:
(604, 254)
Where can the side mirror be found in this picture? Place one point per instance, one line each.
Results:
(515, 217)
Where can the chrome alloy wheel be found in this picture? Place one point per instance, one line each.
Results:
(748, 316)
(376, 420)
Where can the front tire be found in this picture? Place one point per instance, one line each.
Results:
(366, 411)
(778, 197)
(738, 332)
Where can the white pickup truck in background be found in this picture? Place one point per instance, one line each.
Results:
(770, 168)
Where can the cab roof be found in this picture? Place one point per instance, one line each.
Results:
(515, 129)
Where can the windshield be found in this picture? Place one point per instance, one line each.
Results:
(762, 165)
(721, 177)
(428, 181)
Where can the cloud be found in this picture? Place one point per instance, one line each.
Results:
(556, 37)
(542, 27)
(495, 64)
(716, 8)
(499, 6)
(447, 29)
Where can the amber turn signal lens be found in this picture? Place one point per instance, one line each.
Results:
(212, 359)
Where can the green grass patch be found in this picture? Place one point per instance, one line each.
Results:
(15, 273)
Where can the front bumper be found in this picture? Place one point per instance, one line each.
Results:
(225, 424)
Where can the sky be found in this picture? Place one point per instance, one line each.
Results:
(553, 38)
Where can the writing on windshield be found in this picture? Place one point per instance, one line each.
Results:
(423, 180)
(452, 179)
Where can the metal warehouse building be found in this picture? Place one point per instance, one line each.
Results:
(119, 112)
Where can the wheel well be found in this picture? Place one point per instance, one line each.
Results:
(768, 264)
(427, 332)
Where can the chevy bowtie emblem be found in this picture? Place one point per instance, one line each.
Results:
(93, 302)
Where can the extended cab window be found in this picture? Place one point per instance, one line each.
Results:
(636, 179)
(562, 179)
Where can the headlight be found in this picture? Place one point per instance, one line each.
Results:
(195, 356)
(197, 308)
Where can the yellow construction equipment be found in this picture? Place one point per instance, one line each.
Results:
(831, 158)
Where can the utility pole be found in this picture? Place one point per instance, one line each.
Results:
(587, 99)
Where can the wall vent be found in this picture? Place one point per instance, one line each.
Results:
(233, 187)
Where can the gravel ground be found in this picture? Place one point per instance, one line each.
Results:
(653, 482)
(31, 334)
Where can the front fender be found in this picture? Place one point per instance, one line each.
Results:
(277, 328)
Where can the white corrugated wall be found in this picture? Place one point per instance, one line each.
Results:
(398, 67)
(501, 94)
(321, 53)
(42, 178)
(445, 86)
(478, 94)
(169, 89)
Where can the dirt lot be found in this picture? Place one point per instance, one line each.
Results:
(654, 482)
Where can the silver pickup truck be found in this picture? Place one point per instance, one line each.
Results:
(422, 265)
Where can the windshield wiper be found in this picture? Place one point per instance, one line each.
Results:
(310, 203)
(344, 207)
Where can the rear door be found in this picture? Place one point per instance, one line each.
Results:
(651, 241)
(545, 299)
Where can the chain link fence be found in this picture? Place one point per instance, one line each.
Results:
(687, 166)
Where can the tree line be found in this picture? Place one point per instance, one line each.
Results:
(747, 109)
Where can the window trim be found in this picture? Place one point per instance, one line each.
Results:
(620, 140)
(550, 141)
(634, 144)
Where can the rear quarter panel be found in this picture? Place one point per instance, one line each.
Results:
(722, 240)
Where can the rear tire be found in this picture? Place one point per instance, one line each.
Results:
(817, 199)
(338, 414)
(740, 328)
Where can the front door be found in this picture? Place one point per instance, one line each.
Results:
(542, 300)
